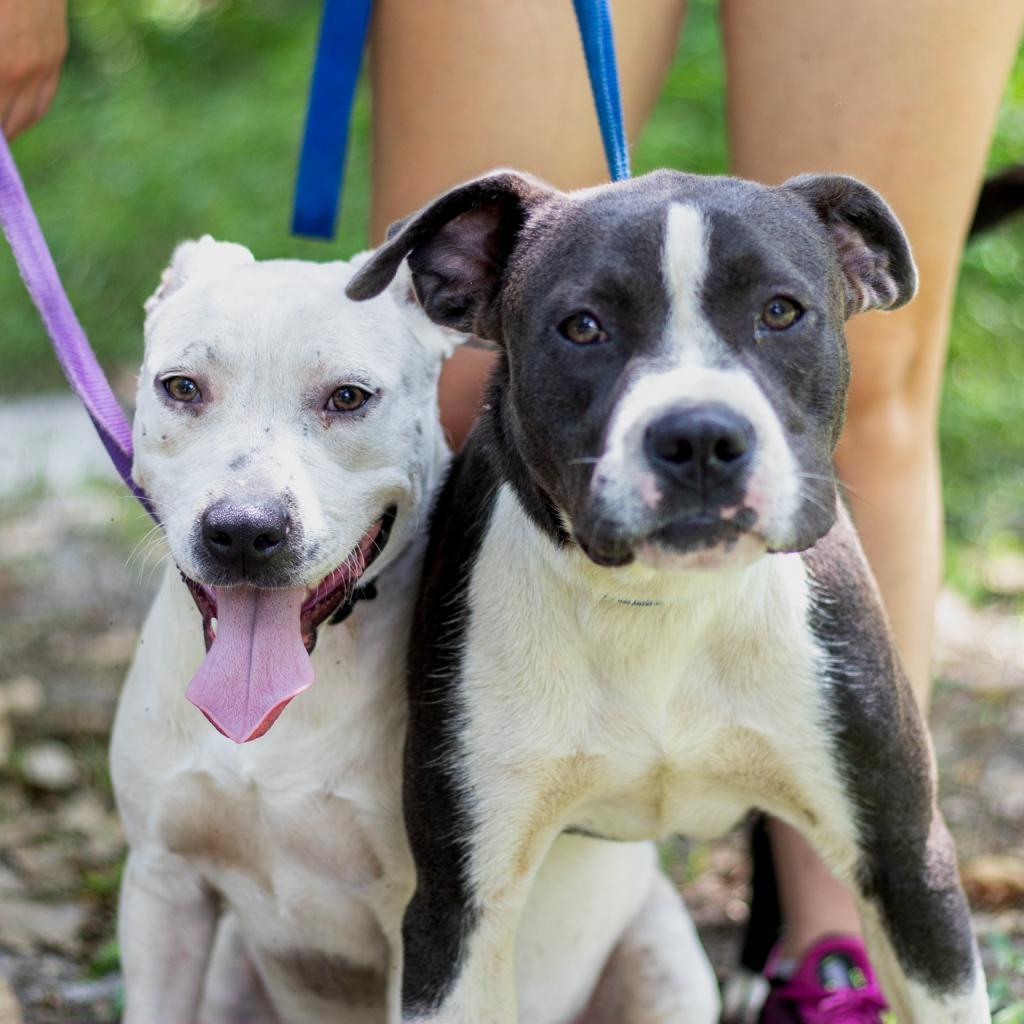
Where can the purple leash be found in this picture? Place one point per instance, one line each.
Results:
(76, 357)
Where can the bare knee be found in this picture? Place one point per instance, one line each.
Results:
(892, 409)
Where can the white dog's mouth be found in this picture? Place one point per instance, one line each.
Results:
(258, 640)
(320, 601)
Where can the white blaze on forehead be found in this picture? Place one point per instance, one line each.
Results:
(684, 267)
(693, 366)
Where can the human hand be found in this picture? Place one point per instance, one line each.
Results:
(33, 41)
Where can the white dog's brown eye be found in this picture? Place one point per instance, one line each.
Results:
(583, 329)
(348, 398)
(780, 313)
(182, 389)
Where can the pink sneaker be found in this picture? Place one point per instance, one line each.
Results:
(832, 984)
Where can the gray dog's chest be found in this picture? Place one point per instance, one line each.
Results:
(634, 720)
(700, 786)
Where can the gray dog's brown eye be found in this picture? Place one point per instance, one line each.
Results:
(780, 313)
(348, 398)
(582, 329)
(182, 389)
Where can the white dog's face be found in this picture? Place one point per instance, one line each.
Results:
(284, 432)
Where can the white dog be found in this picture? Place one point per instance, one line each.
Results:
(290, 440)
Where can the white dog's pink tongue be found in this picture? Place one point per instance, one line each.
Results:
(257, 662)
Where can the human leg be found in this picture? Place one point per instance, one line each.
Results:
(448, 104)
(904, 97)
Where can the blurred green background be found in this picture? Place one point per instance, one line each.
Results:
(178, 117)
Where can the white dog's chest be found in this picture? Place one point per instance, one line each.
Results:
(248, 836)
(306, 873)
(300, 831)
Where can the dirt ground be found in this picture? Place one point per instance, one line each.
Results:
(75, 579)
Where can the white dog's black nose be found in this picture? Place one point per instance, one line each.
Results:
(700, 446)
(240, 535)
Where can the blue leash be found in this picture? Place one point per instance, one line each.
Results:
(332, 93)
(339, 55)
(595, 21)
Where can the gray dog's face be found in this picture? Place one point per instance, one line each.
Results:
(675, 370)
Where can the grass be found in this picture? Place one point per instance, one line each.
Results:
(1009, 965)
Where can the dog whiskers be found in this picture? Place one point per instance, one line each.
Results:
(144, 545)
(829, 480)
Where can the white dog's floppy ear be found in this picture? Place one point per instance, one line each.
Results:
(196, 259)
(869, 242)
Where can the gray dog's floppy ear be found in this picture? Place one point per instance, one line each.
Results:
(873, 251)
(458, 247)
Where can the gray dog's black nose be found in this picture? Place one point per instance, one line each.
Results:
(699, 446)
(240, 535)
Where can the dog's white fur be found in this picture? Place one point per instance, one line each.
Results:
(693, 366)
(631, 719)
(651, 702)
(280, 867)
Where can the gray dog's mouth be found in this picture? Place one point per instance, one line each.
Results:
(704, 531)
(685, 535)
(322, 600)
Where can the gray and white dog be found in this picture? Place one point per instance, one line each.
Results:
(291, 442)
(644, 610)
